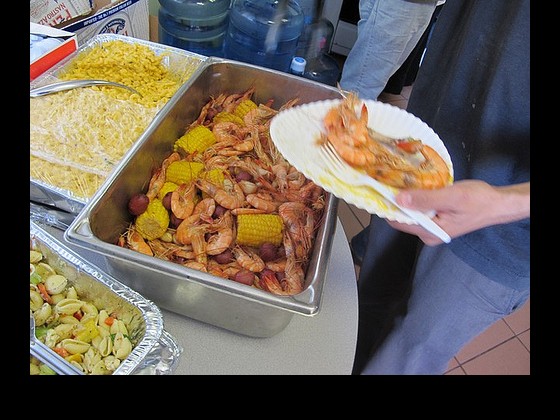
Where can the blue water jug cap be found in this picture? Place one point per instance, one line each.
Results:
(298, 64)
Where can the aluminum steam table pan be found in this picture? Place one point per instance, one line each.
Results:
(202, 296)
(154, 350)
(178, 61)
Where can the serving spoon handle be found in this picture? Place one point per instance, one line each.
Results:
(73, 84)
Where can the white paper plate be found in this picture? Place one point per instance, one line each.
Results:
(295, 132)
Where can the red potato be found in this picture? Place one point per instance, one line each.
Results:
(268, 252)
(138, 204)
(167, 200)
(244, 276)
(225, 257)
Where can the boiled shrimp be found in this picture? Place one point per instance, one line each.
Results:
(262, 201)
(280, 171)
(294, 279)
(248, 187)
(231, 101)
(223, 238)
(432, 173)
(345, 126)
(300, 226)
(277, 265)
(248, 259)
(392, 161)
(260, 116)
(230, 199)
(135, 241)
(295, 178)
(205, 209)
(195, 265)
(183, 200)
(247, 210)
(269, 282)
(289, 104)
(291, 283)
(310, 194)
(186, 232)
(171, 251)
(158, 179)
(256, 169)
(196, 236)
(227, 134)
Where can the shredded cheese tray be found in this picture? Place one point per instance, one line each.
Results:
(78, 136)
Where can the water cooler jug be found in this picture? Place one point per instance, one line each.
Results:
(199, 26)
(264, 32)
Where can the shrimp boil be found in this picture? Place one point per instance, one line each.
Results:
(234, 207)
(401, 163)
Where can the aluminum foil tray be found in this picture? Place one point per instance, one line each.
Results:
(178, 61)
(155, 350)
(227, 304)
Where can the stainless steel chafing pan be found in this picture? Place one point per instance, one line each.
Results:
(226, 304)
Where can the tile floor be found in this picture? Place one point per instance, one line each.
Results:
(504, 348)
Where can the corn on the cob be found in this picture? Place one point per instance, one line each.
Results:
(226, 116)
(256, 229)
(153, 223)
(197, 139)
(183, 172)
(243, 107)
(215, 176)
(167, 187)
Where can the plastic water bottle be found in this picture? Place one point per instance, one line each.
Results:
(320, 67)
(199, 26)
(316, 38)
(264, 32)
(311, 12)
(309, 9)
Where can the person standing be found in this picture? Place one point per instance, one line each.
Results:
(388, 31)
(421, 301)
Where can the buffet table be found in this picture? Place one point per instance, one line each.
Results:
(323, 344)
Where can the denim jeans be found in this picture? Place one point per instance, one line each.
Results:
(388, 30)
(450, 303)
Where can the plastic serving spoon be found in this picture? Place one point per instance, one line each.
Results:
(73, 84)
(46, 355)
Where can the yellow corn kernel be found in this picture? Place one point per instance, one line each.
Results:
(167, 187)
(183, 172)
(243, 107)
(197, 139)
(226, 116)
(153, 223)
(215, 176)
(256, 229)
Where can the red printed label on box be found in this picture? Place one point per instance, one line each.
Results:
(54, 12)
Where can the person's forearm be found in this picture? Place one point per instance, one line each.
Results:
(514, 203)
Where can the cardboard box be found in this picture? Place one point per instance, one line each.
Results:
(123, 17)
(55, 12)
(45, 54)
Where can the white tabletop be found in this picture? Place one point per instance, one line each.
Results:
(322, 344)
